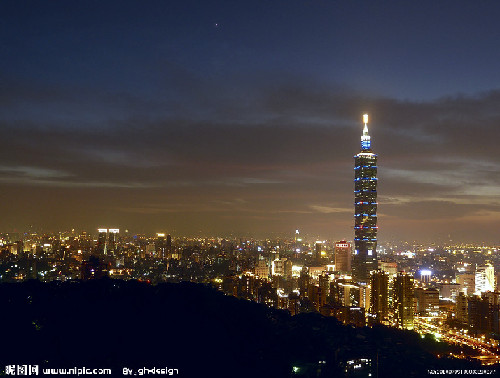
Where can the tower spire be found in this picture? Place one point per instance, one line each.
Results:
(365, 138)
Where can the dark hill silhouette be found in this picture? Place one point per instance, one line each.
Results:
(204, 333)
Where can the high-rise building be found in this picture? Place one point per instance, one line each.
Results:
(365, 209)
(107, 241)
(343, 256)
(379, 295)
(112, 241)
(160, 246)
(485, 278)
(461, 308)
(261, 269)
(403, 300)
(427, 300)
(297, 247)
(479, 314)
(389, 267)
(317, 250)
(449, 291)
(467, 282)
(102, 241)
(494, 299)
(169, 243)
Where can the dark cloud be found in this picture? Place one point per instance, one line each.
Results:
(438, 210)
(262, 156)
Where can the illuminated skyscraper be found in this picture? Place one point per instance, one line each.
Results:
(112, 241)
(161, 246)
(379, 295)
(365, 209)
(343, 256)
(403, 300)
(106, 241)
(102, 241)
(485, 278)
(317, 254)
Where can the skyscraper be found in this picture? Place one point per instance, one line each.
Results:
(379, 295)
(403, 300)
(107, 241)
(485, 278)
(160, 246)
(343, 256)
(112, 241)
(317, 252)
(102, 241)
(365, 209)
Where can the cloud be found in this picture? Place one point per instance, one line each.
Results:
(329, 210)
(281, 149)
(30, 172)
(438, 210)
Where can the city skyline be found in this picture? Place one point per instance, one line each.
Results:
(215, 119)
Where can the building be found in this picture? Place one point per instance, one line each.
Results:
(112, 241)
(160, 245)
(169, 243)
(102, 241)
(388, 266)
(497, 281)
(107, 241)
(479, 314)
(316, 271)
(461, 308)
(494, 300)
(427, 300)
(150, 251)
(449, 291)
(364, 295)
(485, 279)
(262, 269)
(297, 247)
(351, 315)
(317, 296)
(467, 282)
(425, 277)
(282, 267)
(403, 300)
(344, 292)
(317, 250)
(343, 256)
(324, 283)
(303, 281)
(379, 295)
(365, 209)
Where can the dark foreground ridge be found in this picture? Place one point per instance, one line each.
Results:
(198, 330)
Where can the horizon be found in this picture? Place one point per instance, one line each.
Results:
(307, 238)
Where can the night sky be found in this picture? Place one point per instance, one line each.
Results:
(217, 117)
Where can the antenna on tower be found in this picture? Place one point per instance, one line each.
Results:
(365, 138)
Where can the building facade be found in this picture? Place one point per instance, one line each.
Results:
(485, 279)
(379, 295)
(343, 256)
(403, 300)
